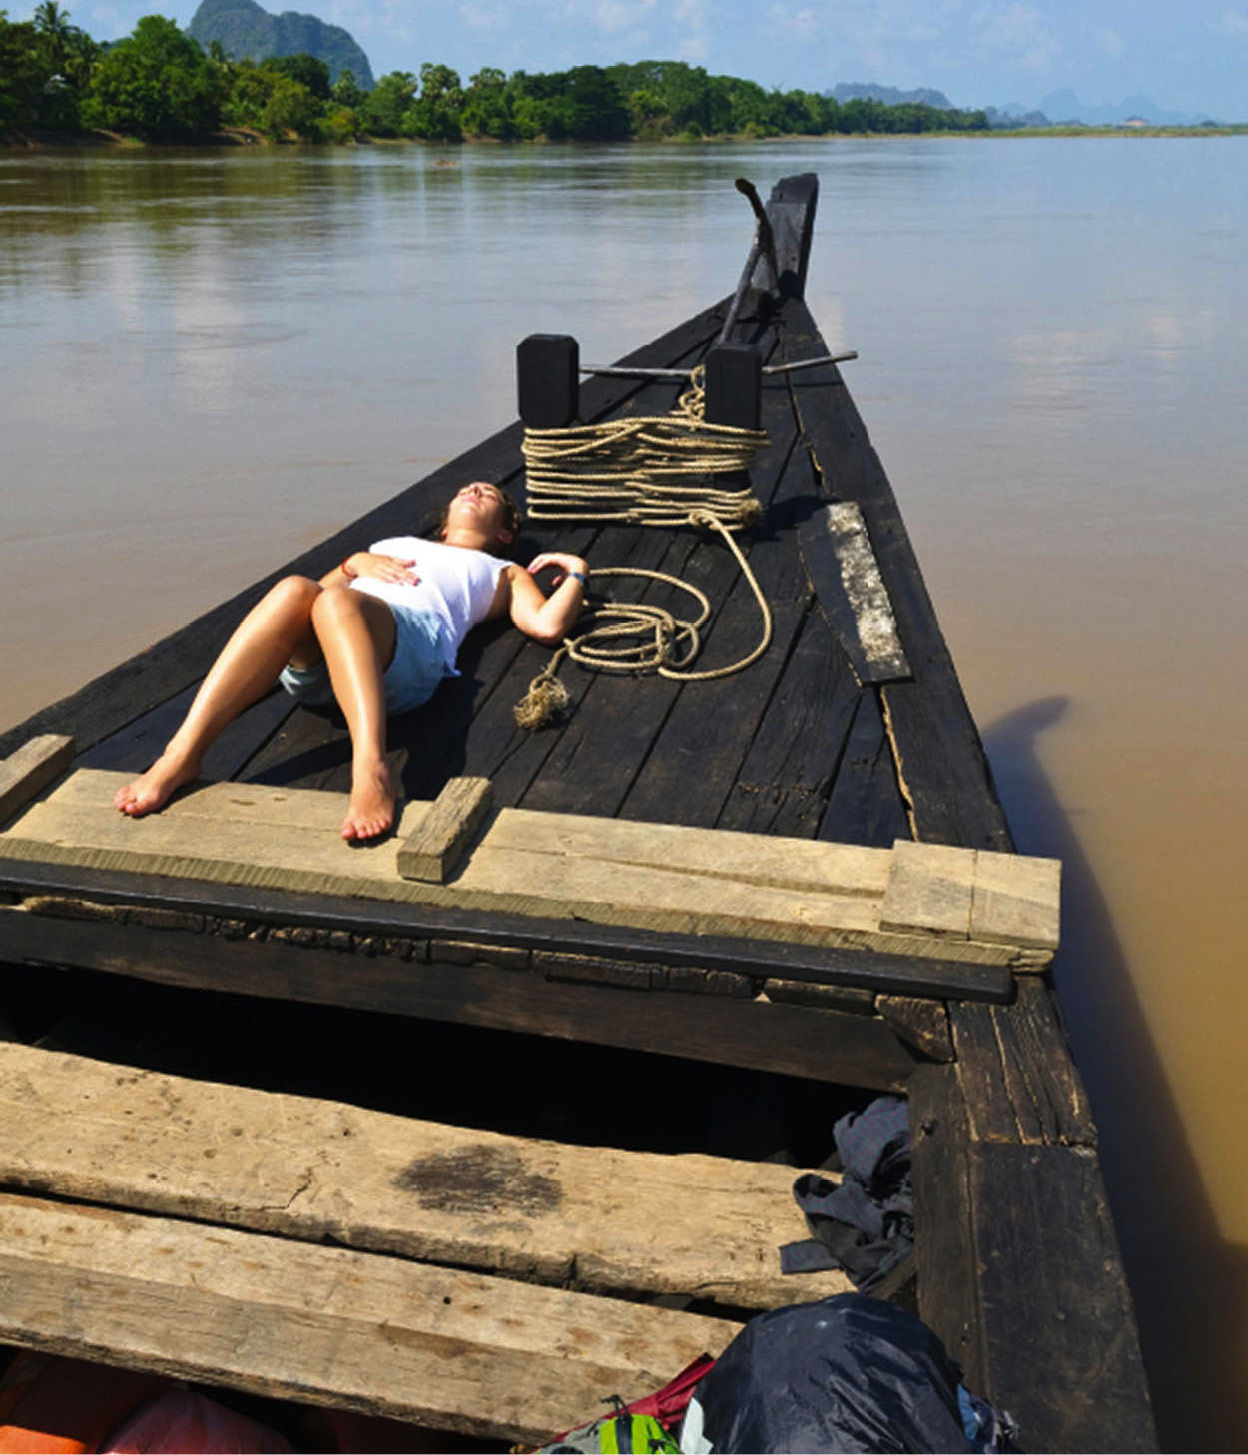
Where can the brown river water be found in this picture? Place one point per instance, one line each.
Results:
(210, 360)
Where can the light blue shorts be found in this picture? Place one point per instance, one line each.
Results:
(415, 670)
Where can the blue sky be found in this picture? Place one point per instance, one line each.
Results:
(1185, 56)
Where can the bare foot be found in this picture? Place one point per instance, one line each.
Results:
(154, 788)
(370, 810)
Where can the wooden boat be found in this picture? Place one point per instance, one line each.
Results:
(801, 871)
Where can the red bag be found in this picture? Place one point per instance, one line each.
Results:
(184, 1421)
(51, 1405)
(668, 1405)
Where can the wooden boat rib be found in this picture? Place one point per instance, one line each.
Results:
(1017, 1264)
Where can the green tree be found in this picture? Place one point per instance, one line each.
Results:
(23, 74)
(486, 110)
(345, 91)
(306, 69)
(250, 89)
(383, 112)
(435, 116)
(157, 83)
(291, 108)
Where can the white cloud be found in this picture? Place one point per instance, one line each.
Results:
(785, 23)
(1015, 32)
(485, 17)
(693, 40)
(613, 17)
(1233, 23)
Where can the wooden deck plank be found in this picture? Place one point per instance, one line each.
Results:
(865, 805)
(454, 1350)
(700, 745)
(324, 1172)
(1040, 1319)
(788, 773)
(942, 768)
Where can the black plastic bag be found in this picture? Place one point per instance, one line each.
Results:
(846, 1373)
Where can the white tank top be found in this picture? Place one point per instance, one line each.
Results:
(457, 584)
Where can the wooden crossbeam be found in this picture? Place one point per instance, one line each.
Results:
(321, 1171)
(921, 901)
(30, 769)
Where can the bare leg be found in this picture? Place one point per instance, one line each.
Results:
(356, 633)
(276, 630)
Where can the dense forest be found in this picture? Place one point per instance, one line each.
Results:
(160, 85)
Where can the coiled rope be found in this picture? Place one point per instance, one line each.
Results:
(638, 471)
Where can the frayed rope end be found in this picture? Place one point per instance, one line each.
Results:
(546, 698)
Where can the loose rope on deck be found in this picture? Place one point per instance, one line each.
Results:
(636, 472)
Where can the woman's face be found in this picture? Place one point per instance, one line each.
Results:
(480, 506)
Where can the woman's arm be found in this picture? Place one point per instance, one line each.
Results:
(367, 563)
(547, 619)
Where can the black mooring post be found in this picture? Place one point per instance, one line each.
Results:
(734, 385)
(548, 380)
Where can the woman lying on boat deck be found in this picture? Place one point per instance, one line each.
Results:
(378, 633)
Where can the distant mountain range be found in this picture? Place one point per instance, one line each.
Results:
(246, 31)
(1064, 105)
(891, 96)
(1051, 110)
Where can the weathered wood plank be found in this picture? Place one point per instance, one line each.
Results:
(433, 850)
(1021, 1083)
(823, 1046)
(923, 1024)
(25, 881)
(321, 1171)
(675, 879)
(1060, 1347)
(458, 1351)
(929, 890)
(865, 805)
(1041, 1320)
(945, 1253)
(28, 771)
(1016, 899)
(785, 781)
(837, 552)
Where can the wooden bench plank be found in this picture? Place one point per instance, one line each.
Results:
(488, 1357)
(325, 1172)
(676, 880)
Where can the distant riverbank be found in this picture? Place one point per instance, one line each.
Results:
(243, 137)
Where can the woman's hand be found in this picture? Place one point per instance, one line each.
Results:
(565, 562)
(381, 568)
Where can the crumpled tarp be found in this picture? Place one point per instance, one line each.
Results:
(866, 1224)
